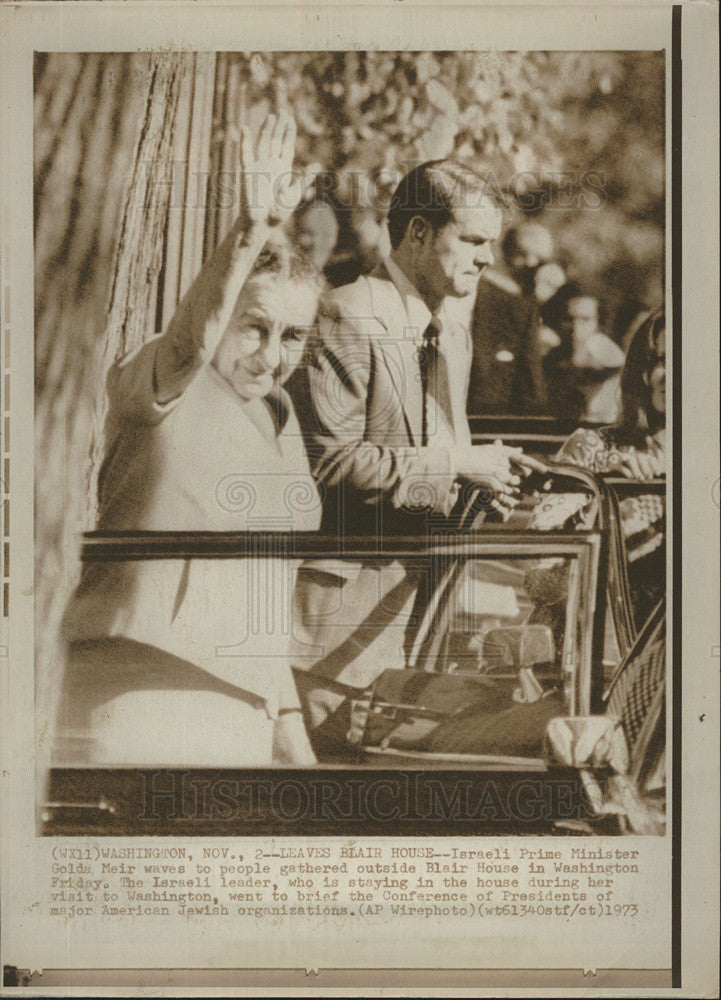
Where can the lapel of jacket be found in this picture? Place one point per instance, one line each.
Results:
(399, 347)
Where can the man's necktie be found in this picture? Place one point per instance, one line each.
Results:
(442, 360)
(428, 361)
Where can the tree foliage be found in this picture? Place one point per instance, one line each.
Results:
(576, 138)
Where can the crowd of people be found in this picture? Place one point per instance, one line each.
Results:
(541, 342)
(210, 422)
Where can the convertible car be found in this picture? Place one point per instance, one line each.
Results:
(532, 700)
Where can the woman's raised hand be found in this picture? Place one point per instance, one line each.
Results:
(270, 190)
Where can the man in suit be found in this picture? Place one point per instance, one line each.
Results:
(383, 413)
(507, 373)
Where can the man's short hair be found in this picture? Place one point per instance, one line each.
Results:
(433, 191)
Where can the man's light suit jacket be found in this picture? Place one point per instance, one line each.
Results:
(360, 402)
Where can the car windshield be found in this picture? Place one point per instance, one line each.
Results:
(500, 642)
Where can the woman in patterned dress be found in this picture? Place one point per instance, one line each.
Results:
(635, 446)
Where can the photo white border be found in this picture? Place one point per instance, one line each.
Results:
(130, 26)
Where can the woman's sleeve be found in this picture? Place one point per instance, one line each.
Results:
(584, 448)
(199, 322)
(131, 386)
(148, 383)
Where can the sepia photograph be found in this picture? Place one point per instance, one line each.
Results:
(360, 543)
(350, 397)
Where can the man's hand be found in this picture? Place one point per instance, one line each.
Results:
(524, 462)
(497, 466)
(269, 189)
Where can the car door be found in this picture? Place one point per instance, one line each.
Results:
(637, 554)
(496, 565)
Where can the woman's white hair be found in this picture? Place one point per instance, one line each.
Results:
(282, 282)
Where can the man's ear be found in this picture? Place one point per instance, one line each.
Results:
(418, 229)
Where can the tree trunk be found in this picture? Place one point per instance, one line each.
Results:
(111, 133)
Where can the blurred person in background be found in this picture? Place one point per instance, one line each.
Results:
(508, 340)
(581, 372)
(340, 242)
(527, 247)
(633, 447)
(367, 245)
(315, 232)
(162, 667)
(371, 231)
(546, 281)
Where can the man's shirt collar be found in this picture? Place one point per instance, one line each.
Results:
(418, 313)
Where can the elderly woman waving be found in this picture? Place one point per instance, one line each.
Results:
(185, 661)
